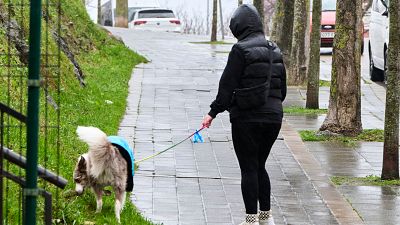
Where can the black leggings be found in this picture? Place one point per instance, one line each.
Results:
(253, 142)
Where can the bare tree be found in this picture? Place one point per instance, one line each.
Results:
(390, 168)
(214, 21)
(298, 66)
(269, 8)
(313, 64)
(221, 18)
(259, 4)
(282, 27)
(99, 11)
(121, 11)
(344, 112)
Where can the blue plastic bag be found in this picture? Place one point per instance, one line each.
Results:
(197, 138)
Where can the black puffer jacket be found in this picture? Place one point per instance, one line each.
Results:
(248, 65)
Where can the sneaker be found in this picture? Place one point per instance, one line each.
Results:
(251, 219)
(265, 218)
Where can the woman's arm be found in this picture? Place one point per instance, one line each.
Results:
(229, 81)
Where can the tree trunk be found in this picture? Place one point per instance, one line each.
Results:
(259, 4)
(390, 169)
(121, 19)
(313, 65)
(344, 113)
(98, 11)
(221, 18)
(240, 2)
(214, 22)
(298, 66)
(282, 28)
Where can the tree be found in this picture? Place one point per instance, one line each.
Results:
(121, 11)
(298, 68)
(269, 8)
(214, 21)
(259, 4)
(313, 64)
(240, 2)
(98, 11)
(390, 168)
(282, 27)
(344, 112)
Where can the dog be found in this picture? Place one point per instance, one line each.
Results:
(109, 162)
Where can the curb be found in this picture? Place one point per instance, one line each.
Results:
(339, 207)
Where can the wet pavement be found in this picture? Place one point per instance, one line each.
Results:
(200, 183)
(375, 205)
(372, 107)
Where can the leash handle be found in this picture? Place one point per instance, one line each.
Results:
(173, 146)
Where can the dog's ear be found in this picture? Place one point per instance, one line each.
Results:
(82, 163)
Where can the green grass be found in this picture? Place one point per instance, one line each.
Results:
(212, 42)
(368, 135)
(222, 52)
(107, 65)
(303, 111)
(324, 83)
(369, 180)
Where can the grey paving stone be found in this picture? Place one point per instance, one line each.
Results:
(200, 183)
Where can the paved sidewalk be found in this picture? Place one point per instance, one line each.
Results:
(375, 205)
(200, 183)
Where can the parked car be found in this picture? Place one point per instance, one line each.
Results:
(108, 9)
(155, 19)
(328, 23)
(379, 39)
(328, 20)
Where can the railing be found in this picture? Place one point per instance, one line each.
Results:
(20, 161)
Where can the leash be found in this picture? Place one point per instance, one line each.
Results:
(173, 146)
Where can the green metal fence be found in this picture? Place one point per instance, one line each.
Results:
(29, 85)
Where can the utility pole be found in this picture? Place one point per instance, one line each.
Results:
(221, 19)
(208, 17)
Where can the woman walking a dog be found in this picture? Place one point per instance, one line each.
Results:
(252, 88)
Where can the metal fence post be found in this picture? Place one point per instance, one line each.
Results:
(31, 191)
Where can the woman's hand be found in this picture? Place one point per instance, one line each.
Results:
(207, 121)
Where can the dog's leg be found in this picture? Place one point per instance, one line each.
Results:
(123, 200)
(98, 191)
(119, 202)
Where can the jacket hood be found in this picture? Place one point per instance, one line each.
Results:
(245, 21)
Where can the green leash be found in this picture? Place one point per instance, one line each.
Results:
(171, 147)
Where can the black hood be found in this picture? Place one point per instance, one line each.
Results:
(245, 21)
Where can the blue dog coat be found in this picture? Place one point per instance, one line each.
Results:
(126, 152)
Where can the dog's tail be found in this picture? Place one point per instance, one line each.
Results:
(100, 149)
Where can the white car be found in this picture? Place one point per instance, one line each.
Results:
(155, 19)
(379, 39)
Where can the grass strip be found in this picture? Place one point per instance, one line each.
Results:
(212, 42)
(324, 83)
(303, 111)
(368, 135)
(369, 180)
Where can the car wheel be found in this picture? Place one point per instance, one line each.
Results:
(374, 73)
